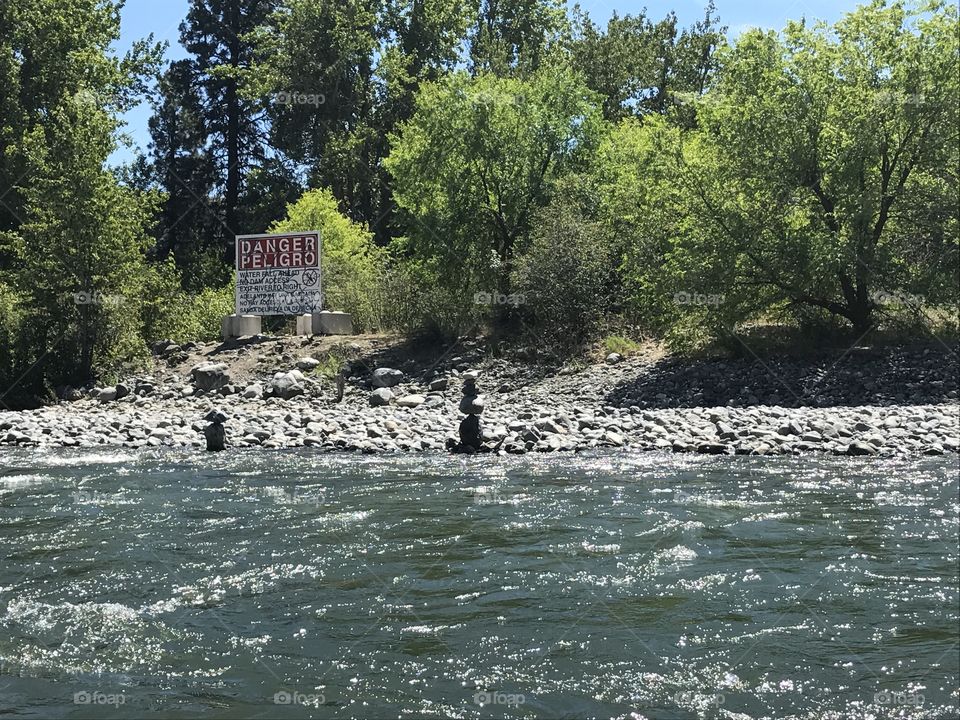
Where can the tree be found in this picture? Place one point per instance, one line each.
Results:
(73, 237)
(821, 167)
(208, 137)
(185, 170)
(643, 67)
(566, 283)
(350, 262)
(478, 158)
(515, 37)
(81, 248)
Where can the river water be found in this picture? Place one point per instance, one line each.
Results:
(296, 584)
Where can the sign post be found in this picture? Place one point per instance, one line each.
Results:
(278, 274)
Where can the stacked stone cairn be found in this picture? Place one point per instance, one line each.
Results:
(471, 405)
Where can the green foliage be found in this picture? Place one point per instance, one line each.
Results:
(477, 160)
(621, 345)
(640, 66)
(170, 312)
(566, 282)
(81, 249)
(351, 265)
(820, 167)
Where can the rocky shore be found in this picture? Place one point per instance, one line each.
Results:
(274, 395)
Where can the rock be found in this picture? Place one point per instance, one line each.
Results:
(381, 396)
(859, 448)
(216, 436)
(470, 432)
(210, 376)
(712, 448)
(122, 390)
(410, 401)
(215, 416)
(286, 384)
(791, 428)
(165, 347)
(613, 438)
(613, 358)
(107, 394)
(253, 391)
(472, 405)
(438, 384)
(307, 363)
(386, 377)
(549, 427)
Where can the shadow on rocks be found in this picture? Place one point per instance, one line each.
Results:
(861, 376)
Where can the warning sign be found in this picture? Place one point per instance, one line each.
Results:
(278, 274)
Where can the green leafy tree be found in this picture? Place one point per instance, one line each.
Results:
(72, 236)
(476, 161)
(352, 265)
(567, 282)
(81, 248)
(641, 66)
(821, 173)
(516, 37)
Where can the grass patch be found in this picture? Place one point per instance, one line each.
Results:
(621, 345)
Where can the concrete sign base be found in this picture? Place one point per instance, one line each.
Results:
(326, 322)
(234, 326)
(305, 324)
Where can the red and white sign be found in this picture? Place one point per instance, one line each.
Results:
(278, 274)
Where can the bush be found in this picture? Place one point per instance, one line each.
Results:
(170, 312)
(352, 265)
(567, 282)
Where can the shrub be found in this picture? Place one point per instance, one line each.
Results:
(170, 312)
(566, 283)
(351, 264)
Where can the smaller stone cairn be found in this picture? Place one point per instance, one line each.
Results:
(215, 433)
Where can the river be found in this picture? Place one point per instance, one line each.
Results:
(611, 585)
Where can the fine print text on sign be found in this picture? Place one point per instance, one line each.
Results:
(278, 274)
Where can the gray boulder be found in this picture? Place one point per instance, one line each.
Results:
(386, 377)
(409, 401)
(286, 385)
(381, 396)
(253, 391)
(210, 376)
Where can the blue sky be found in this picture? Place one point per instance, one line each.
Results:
(139, 18)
